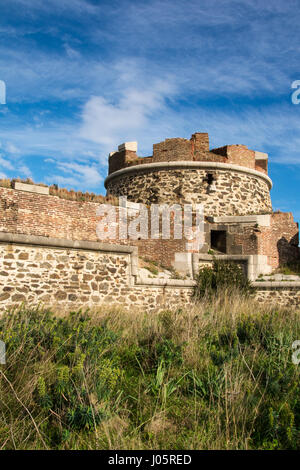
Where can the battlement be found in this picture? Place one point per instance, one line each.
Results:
(53, 252)
(195, 149)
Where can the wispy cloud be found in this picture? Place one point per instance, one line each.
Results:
(107, 122)
(11, 160)
(72, 174)
(83, 76)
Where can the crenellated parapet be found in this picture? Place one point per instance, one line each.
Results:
(228, 181)
(195, 149)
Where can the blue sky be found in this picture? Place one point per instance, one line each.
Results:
(83, 76)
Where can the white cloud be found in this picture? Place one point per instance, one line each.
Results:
(76, 175)
(104, 122)
(4, 163)
(206, 48)
(146, 71)
(71, 52)
(14, 165)
(11, 148)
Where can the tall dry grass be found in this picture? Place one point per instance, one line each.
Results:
(218, 375)
(64, 193)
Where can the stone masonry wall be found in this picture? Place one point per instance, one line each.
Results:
(278, 293)
(71, 278)
(52, 275)
(236, 193)
(28, 213)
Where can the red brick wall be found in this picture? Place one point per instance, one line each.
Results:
(237, 155)
(200, 143)
(262, 165)
(194, 149)
(49, 216)
(246, 239)
(121, 159)
(36, 214)
(172, 150)
(280, 241)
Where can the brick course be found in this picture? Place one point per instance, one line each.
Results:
(235, 184)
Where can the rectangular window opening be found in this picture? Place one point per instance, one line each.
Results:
(218, 240)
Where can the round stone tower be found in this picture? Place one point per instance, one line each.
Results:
(227, 181)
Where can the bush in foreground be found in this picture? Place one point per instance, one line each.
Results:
(217, 376)
(222, 276)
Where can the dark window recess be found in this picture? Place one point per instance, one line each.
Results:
(218, 240)
(210, 178)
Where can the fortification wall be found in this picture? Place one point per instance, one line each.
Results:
(68, 275)
(39, 214)
(279, 241)
(275, 236)
(22, 212)
(194, 149)
(284, 293)
(236, 192)
(51, 251)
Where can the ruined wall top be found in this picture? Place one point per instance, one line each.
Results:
(194, 149)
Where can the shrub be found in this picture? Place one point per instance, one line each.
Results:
(66, 359)
(222, 275)
(214, 376)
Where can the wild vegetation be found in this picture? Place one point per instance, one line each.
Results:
(216, 376)
(222, 275)
(155, 267)
(290, 268)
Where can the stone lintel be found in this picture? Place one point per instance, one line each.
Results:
(31, 188)
(263, 220)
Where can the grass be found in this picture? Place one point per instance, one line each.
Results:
(218, 375)
(155, 268)
(291, 269)
(63, 193)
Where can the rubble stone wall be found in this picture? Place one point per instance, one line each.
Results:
(70, 275)
(235, 193)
